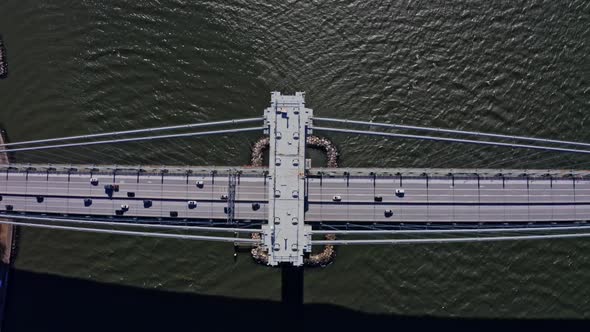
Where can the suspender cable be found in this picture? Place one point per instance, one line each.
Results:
(136, 139)
(451, 131)
(135, 233)
(447, 139)
(136, 131)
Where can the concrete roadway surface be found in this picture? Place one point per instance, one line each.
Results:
(65, 194)
(448, 200)
(425, 200)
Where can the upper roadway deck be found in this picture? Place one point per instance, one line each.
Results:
(460, 198)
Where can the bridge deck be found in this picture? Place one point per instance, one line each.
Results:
(442, 199)
(65, 194)
(449, 200)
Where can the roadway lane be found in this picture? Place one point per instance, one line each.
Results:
(159, 209)
(65, 194)
(449, 200)
(432, 200)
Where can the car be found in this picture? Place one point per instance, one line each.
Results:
(295, 135)
(130, 194)
(87, 202)
(276, 247)
(110, 188)
(295, 193)
(173, 214)
(94, 181)
(400, 193)
(378, 199)
(255, 206)
(147, 203)
(124, 207)
(9, 207)
(224, 197)
(279, 135)
(337, 198)
(200, 184)
(119, 212)
(295, 162)
(40, 199)
(388, 213)
(192, 204)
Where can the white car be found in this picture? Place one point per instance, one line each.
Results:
(124, 207)
(337, 198)
(400, 192)
(200, 184)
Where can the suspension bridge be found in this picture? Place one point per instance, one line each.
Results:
(291, 206)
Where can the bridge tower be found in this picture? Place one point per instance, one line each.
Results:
(286, 236)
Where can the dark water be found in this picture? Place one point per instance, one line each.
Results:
(509, 67)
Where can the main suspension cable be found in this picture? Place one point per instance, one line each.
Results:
(135, 131)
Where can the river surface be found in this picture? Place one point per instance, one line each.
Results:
(512, 67)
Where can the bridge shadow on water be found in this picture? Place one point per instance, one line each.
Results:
(41, 302)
